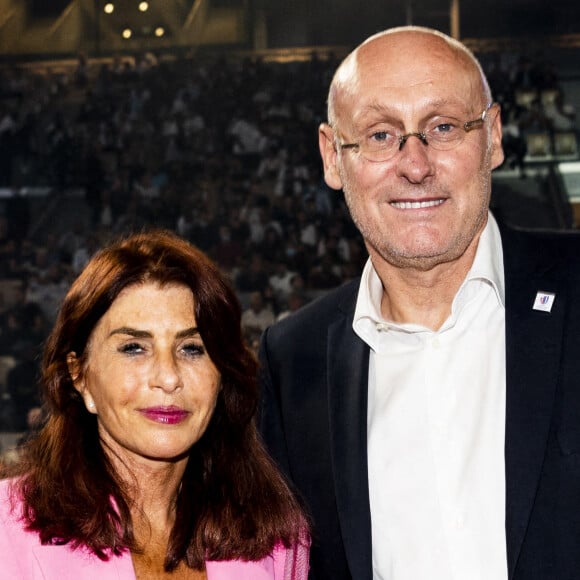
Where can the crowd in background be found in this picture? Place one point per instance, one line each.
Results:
(221, 150)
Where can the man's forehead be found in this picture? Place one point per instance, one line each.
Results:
(405, 66)
(401, 54)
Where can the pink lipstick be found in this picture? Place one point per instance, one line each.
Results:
(165, 415)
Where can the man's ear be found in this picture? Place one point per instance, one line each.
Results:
(497, 155)
(329, 156)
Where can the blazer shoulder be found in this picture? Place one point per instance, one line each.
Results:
(26, 558)
(541, 250)
(541, 237)
(280, 564)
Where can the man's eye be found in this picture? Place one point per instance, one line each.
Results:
(381, 138)
(442, 128)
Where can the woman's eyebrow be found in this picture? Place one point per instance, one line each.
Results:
(131, 332)
(193, 331)
(134, 332)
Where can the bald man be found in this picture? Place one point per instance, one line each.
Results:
(428, 413)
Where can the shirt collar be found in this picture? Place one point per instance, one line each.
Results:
(488, 262)
(487, 267)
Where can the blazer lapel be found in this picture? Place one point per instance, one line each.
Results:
(66, 564)
(533, 344)
(347, 391)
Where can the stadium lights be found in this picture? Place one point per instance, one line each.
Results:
(127, 33)
(143, 6)
(109, 8)
(159, 31)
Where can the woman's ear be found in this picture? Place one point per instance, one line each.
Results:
(74, 369)
(77, 376)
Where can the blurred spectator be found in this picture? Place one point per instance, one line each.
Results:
(22, 383)
(561, 116)
(272, 246)
(11, 332)
(513, 142)
(49, 291)
(294, 301)
(227, 252)
(281, 281)
(34, 418)
(325, 274)
(307, 229)
(256, 318)
(84, 252)
(248, 142)
(253, 278)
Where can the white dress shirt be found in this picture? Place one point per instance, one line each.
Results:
(436, 428)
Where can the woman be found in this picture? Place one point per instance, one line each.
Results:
(148, 464)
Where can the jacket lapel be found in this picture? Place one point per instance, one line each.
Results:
(533, 344)
(347, 391)
(64, 563)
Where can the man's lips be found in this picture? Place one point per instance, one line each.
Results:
(166, 415)
(417, 204)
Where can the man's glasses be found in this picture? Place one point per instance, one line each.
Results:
(441, 133)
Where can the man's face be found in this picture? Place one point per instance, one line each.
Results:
(423, 206)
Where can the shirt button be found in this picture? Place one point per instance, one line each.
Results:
(382, 327)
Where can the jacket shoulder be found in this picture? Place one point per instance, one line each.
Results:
(541, 250)
(25, 558)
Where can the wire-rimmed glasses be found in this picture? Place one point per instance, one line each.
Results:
(440, 132)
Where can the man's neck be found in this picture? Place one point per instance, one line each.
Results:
(422, 297)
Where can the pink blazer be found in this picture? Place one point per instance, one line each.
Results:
(23, 557)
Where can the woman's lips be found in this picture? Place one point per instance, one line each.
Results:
(165, 415)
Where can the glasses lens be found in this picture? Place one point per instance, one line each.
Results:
(444, 143)
(380, 153)
(444, 133)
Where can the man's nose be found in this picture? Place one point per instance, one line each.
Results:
(414, 161)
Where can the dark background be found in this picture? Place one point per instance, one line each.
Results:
(346, 22)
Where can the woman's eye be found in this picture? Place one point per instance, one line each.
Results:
(193, 349)
(131, 348)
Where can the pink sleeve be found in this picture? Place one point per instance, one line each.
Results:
(292, 563)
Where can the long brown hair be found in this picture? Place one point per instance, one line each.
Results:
(233, 502)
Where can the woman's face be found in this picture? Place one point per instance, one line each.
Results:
(147, 376)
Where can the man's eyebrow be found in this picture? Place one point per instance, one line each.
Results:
(135, 333)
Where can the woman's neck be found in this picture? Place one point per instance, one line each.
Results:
(152, 486)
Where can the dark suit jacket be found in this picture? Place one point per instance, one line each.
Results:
(314, 416)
